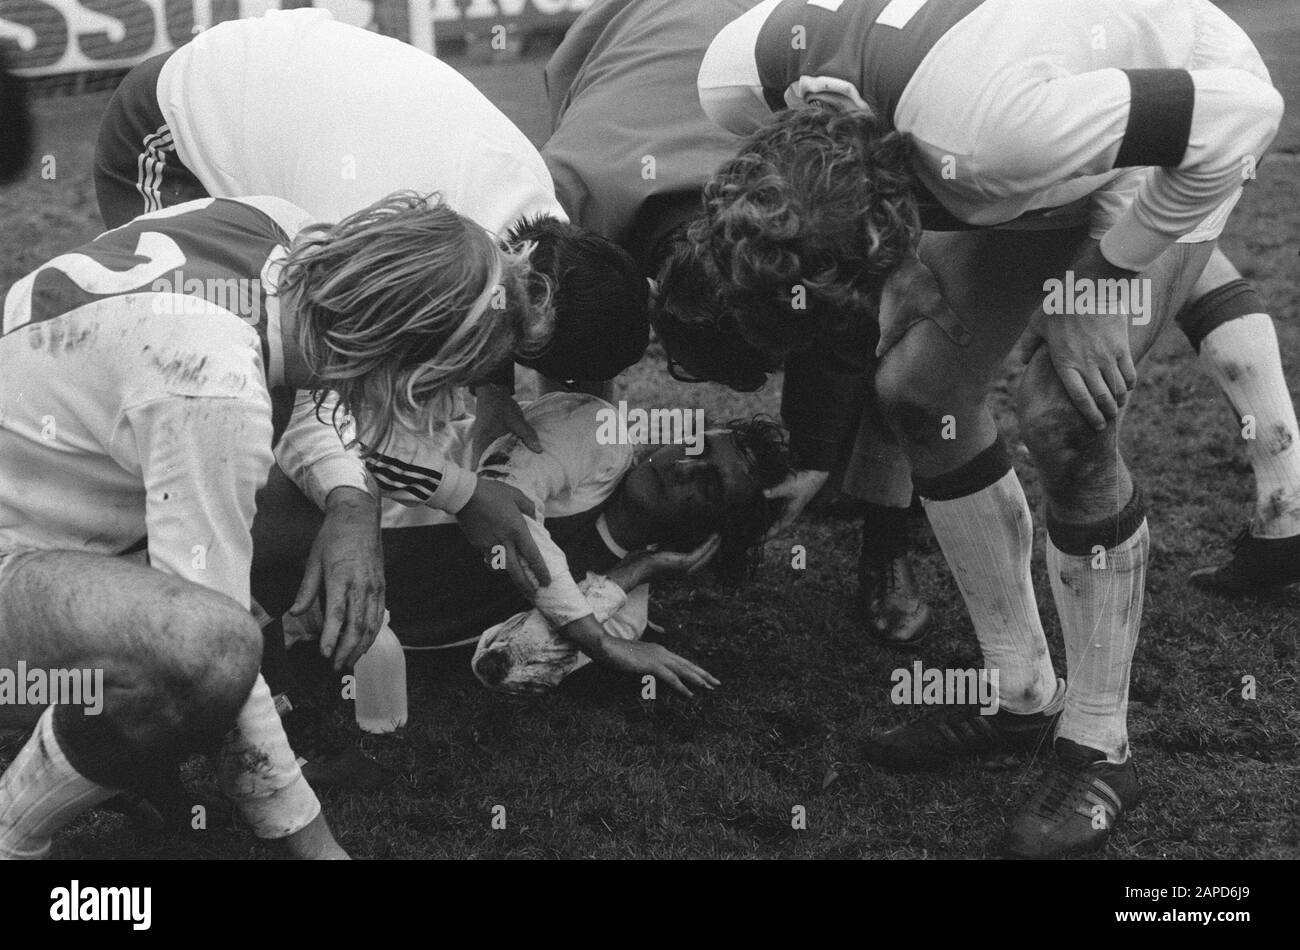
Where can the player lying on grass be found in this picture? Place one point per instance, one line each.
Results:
(332, 117)
(612, 518)
(618, 517)
(146, 378)
(630, 153)
(1075, 149)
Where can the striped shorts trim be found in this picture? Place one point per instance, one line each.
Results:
(151, 164)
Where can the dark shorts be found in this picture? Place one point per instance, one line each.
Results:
(439, 591)
(137, 169)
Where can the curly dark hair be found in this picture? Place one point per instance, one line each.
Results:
(761, 442)
(818, 199)
(694, 321)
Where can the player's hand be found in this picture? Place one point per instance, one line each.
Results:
(347, 560)
(911, 294)
(315, 842)
(647, 566)
(494, 516)
(496, 414)
(1090, 352)
(796, 491)
(639, 658)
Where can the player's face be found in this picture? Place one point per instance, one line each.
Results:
(746, 372)
(685, 490)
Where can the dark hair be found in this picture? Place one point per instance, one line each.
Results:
(761, 442)
(16, 136)
(818, 199)
(694, 321)
(599, 296)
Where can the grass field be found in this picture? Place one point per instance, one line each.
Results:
(596, 771)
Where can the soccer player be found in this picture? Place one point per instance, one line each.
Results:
(147, 376)
(614, 516)
(630, 152)
(331, 118)
(611, 518)
(1100, 144)
(667, 513)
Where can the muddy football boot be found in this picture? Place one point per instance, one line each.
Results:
(1258, 565)
(950, 736)
(1076, 805)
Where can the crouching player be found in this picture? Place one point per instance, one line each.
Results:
(906, 114)
(331, 118)
(136, 414)
(630, 152)
(610, 518)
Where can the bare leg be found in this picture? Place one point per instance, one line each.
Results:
(177, 661)
(934, 395)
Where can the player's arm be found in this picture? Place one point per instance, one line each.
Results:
(314, 453)
(563, 609)
(567, 465)
(203, 460)
(1201, 130)
(536, 656)
(496, 413)
(730, 90)
(823, 393)
(633, 655)
(414, 470)
(346, 562)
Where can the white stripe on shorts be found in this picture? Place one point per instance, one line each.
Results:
(149, 167)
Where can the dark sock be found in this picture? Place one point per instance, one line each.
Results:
(275, 660)
(1080, 540)
(979, 473)
(885, 533)
(1236, 298)
(97, 748)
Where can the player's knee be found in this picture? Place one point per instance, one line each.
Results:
(1061, 441)
(917, 408)
(211, 654)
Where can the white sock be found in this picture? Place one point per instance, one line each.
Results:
(1101, 612)
(987, 538)
(41, 792)
(261, 774)
(1242, 356)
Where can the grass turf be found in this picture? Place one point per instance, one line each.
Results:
(596, 771)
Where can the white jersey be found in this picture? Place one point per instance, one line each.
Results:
(141, 389)
(1026, 107)
(574, 473)
(332, 118)
(135, 395)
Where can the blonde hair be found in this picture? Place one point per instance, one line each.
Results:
(404, 301)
